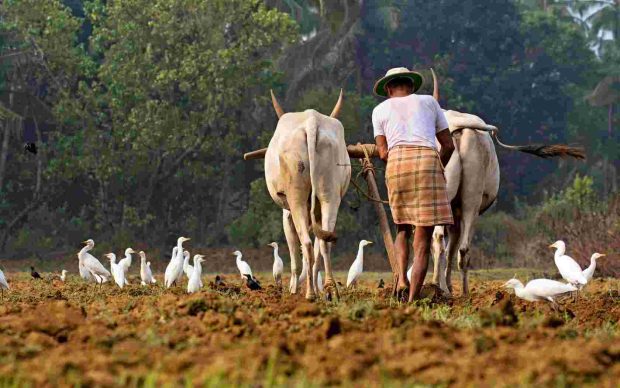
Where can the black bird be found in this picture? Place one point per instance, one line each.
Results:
(30, 147)
(219, 282)
(381, 283)
(34, 274)
(251, 283)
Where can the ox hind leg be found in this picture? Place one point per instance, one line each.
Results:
(299, 213)
(329, 215)
(315, 267)
(292, 240)
(454, 235)
(469, 217)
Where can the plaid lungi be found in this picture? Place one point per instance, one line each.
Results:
(417, 187)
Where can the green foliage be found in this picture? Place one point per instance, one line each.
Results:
(579, 195)
(496, 235)
(261, 223)
(154, 101)
(152, 113)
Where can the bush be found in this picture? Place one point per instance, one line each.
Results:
(261, 223)
(575, 215)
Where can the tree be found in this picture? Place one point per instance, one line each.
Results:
(151, 115)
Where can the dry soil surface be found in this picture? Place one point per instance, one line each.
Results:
(73, 333)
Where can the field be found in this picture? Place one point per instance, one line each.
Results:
(77, 334)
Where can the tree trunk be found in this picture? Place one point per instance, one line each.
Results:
(224, 190)
(4, 150)
(39, 156)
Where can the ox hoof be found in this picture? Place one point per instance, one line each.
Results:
(311, 297)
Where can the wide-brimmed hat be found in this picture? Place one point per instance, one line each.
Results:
(398, 72)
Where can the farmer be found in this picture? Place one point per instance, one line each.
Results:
(405, 128)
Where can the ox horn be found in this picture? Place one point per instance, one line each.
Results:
(336, 110)
(435, 86)
(276, 106)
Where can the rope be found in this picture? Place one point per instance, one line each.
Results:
(367, 167)
(365, 194)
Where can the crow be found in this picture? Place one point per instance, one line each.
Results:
(30, 147)
(381, 283)
(251, 283)
(219, 282)
(34, 274)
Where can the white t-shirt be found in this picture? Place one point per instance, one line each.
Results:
(411, 120)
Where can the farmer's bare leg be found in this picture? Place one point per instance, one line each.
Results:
(401, 246)
(421, 249)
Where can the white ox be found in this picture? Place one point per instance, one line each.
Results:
(307, 169)
(472, 177)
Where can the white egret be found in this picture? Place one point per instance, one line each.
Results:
(358, 265)
(195, 282)
(539, 289)
(145, 270)
(187, 267)
(117, 270)
(88, 263)
(63, 275)
(125, 263)
(4, 285)
(589, 272)
(278, 264)
(242, 266)
(174, 270)
(569, 269)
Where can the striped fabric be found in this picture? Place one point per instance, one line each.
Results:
(417, 187)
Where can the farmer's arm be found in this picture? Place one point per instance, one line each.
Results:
(443, 135)
(379, 133)
(447, 146)
(382, 147)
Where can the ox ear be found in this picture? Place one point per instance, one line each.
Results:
(276, 106)
(336, 110)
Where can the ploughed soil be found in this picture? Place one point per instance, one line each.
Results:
(54, 333)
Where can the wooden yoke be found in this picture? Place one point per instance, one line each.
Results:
(357, 151)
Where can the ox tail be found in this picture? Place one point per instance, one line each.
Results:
(541, 150)
(545, 151)
(312, 129)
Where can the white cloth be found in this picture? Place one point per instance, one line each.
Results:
(411, 120)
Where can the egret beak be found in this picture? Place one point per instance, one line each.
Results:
(370, 243)
(85, 242)
(552, 246)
